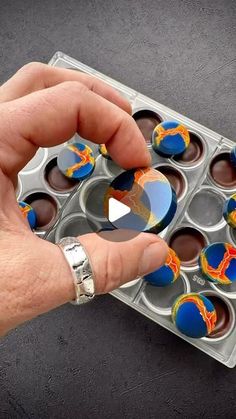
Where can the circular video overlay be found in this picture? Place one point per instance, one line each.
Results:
(137, 200)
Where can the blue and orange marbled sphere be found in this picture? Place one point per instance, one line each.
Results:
(166, 274)
(28, 213)
(170, 138)
(103, 151)
(218, 263)
(229, 211)
(194, 315)
(148, 194)
(76, 161)
(233, 156)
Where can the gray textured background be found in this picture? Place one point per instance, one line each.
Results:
(105, 360)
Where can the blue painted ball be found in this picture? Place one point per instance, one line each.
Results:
(170, 138)
(218, 263)
(29, 213)
(229, 211)
(166, 274)
(76, 161)
(233, 156)
(194, 315)
(103, 151)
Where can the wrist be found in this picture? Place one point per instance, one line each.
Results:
(38, 280)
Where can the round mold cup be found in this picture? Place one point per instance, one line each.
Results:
(187, 242)
(225, 317)
(46, 208)
(73, 225)
(130, 283)
(36, 162)
(176, 177)
(195, 153)
(206, 209)
(160, 299)
(147, 120)
(55, 180)
(91, 197)
(222, 173)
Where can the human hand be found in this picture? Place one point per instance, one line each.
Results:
(45, 106)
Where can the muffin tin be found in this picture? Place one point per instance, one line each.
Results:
(198, 220)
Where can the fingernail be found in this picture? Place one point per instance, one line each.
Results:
(153, 257)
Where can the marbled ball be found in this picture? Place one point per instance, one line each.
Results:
(149, 196)
(76, 161)
(28, 213)
(103, 151)
(233, 156)
(229, 211)
(218, 263)
(166, 274)
(170, 138)
(194, 315)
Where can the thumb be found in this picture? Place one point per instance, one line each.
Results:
(43, 279)
(120, 256)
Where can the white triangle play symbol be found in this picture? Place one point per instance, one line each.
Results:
(116, 209)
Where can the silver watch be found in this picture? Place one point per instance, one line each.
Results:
(80, 268)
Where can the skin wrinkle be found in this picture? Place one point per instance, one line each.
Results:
(114, 267)
(8, 148)
(122, 126)
(52, 102)
(21, 303)
(37, 76)
(10, 292)
(7, 212)
(92, 129)
(41, 281)
(97, 261)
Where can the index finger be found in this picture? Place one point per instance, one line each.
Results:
(49, 117)
(37, 76)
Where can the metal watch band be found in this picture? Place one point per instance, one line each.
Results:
(81, 269)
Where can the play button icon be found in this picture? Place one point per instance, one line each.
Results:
(141, 200)
(135, 201)
(116, 210)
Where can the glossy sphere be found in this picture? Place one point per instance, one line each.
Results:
(170, 138)
(218, 263)
(233, 156)
(76, 161)
(168, 273)
(148, 194)
(229, 211)
(194, 315)
(29, 213)
(103, 151)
